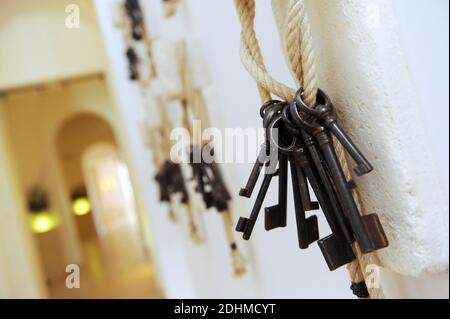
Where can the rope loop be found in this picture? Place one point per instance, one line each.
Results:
(300, 53)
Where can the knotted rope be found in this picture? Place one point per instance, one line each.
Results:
(300, 53)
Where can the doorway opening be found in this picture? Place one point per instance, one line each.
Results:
(66, 151)
(115, 261)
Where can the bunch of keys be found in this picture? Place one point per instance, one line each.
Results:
(211, 185)
(301, 137)
(134, 12)
(209, 181)
(170, 180)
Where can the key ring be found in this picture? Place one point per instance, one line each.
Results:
(306, 125)
(267, 105)
(270, 110)
(324, 109)
(275, 124)
(290, 125)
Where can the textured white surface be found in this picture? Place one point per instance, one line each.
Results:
(363, 67)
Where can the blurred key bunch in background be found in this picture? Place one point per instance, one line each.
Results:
(129, 130)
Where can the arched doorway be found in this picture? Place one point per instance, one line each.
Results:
(102, 203)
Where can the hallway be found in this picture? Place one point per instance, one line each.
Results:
(116, 266)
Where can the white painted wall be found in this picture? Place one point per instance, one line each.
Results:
(368, 67)
(21, 275)
(33, 119)
(37, 46)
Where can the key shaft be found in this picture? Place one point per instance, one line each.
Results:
(307, 228)
(363, 166)
(369, 238)
(254, 175)
(275, 216)
(250, 222)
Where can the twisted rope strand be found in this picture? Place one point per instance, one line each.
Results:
(252, 58)
(309, 79)
(292, 35)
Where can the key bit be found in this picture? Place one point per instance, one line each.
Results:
(365, 228)
(254, 175)
(246, 225)
(307, 228)
(275, 216)
(134, 12)
(271, 159)
(210, 182)
(336, 217)
(179, 183)
(265, 156)
(335, 248)
(336, 251)
(133, 61)
(161, 179)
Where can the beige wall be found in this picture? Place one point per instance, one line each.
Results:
(33, 119)
(37, 46)
(20, 271)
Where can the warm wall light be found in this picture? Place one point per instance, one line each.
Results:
(40, 218)
(81, 206)
(42, 222)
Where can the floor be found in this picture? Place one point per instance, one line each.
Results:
(115, 266)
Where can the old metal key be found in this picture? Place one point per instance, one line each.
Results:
(256, 171)
(246, 225)
(326, 112)
(305, 196)
(307, 228)
(367, 229)
(275, 216)
(286, 143)
(267, 111)
(334, 214)
(335, 248)
(271, 159)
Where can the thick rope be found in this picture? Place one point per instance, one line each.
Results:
(299, 31)
(292, 30)
(301, 59)
(252, 58)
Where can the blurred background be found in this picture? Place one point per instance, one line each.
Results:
(76, 177)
